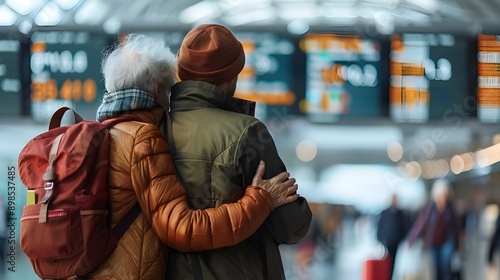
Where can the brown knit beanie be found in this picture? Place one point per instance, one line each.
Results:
(210, 53)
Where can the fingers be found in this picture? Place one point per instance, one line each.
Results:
(292, 190)
(259, 173)
(281, 177)
(288, 183)
(260, 169)
(282, 189)
(291, 198)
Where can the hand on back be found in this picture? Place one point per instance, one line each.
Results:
(282, 189)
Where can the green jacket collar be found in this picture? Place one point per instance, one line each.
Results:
(188, 95)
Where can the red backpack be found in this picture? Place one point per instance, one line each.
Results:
(67, 232)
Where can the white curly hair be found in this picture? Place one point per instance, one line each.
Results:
(140, 61)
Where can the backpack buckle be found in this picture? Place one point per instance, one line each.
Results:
(45, 202)
(49, 185)
(48, 192)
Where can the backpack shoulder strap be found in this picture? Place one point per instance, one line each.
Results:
(126, 221)
(121, 227)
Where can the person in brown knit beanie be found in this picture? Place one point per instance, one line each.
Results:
(210, 53)
(216, 145)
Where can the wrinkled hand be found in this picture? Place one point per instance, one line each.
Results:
(282, 189)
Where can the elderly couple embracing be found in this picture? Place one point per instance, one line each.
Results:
(218, 205)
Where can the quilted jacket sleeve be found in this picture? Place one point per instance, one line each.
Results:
(164, 202)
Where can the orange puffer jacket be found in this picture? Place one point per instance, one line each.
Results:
(141, 169)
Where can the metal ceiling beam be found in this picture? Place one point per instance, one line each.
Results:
(455, 13)
(136, 8)
(156, 13)
(479, 8)
(161, 14)
(494, 5)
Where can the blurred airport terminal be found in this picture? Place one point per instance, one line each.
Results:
(366, 100)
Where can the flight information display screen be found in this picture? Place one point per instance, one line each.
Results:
(267, 76)
(173, 39)
(488, 81)
(65, 70)
(10, 78)
(342, 77)
(428, 77)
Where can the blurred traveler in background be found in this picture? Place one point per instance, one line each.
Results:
(316, 251)
(439, 226)
(137, 76)
(217, 150)
(392, 227)
(306, 247)
(494, 248)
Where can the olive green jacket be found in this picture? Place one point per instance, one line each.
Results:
(217, 151)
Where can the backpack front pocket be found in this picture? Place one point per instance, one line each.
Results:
(55, 239)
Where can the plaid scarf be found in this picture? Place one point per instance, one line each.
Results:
(121, 101)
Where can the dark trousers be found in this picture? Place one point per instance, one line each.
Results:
(441, 258)
(392, 258)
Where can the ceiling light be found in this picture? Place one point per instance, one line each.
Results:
(412, 169)
(112, 25)
(199, 11)
(488, 156)
(306, 150)
(395, 151)
(249, 17)
(7, 16)
(428, 5)
(292, 12)
(24, 7)
(25, 26)
(231, 4)
(457, 164)
(384, 22)
(443, 167)
(49, 15)
(91, 12)
(298, 27)
(340, 3)
(428, 169)
(382, 3)
(67, 4)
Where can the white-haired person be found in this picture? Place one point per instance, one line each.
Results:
(138, 75)
(439, 226)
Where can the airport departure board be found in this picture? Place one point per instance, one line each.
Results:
(10, 78)
(342, 77)
(65, 70)
(428, 76)
(172, 39)
(488, 80)
(267, 76)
